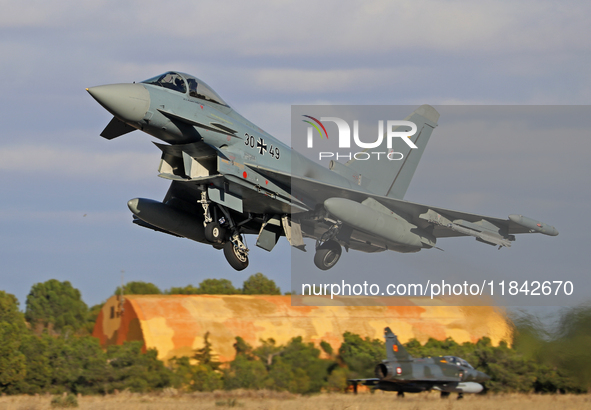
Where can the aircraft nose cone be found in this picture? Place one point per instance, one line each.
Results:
(482, 377)
(128, 102)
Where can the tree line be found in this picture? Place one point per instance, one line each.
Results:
(48, 348)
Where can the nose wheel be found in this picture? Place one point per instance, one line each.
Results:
(214, 233)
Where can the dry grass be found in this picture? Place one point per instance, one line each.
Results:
(266, 400)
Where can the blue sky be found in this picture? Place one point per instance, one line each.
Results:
(63, 211)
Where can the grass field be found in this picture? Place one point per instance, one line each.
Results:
(266, 400)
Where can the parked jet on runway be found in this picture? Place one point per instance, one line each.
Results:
(402, 373)
(230, 178)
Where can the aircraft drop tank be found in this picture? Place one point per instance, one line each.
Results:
(383, 223)
(168, 218)
(534, 225)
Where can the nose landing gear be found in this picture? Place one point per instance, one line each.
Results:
(235, 250)
(214, 233)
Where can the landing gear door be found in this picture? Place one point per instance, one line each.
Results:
(293, 233)
(269, 234)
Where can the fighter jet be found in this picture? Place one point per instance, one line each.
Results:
(402, 373)
(230, 178)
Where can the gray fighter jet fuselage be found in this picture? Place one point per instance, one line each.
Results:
(402, 373)
(230, 178)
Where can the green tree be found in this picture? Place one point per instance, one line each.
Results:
(56, 304)
(187, 290)
(245, 373)
(337, 380)
(326, 347)
(259, 284)
(243, 348)
(39, 371)
(306, 357)
(361, 355)
(139, 372)
(9, 311)
(207, 287)
(205, 355)
(195, 377)
(78, 365)
(267, 351)
(217, 287)
(12, 361)
(283, 376)
(206, 379)
(138, 288)
(570, 347)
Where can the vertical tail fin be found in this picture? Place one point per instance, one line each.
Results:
(392, 177)
(394, 349)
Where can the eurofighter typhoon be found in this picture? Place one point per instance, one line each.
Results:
(402, 373)
(230, 178)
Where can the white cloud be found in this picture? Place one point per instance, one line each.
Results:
(308, 28)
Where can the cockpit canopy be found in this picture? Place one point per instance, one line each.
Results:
(457, 361)
(181, 82)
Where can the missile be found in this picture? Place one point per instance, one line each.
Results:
(389, 226)
(534, 225)
(168, 218)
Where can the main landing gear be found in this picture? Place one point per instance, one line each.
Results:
(445, 395)
(328, 250)
(327, 255)
(236, 253)
(224, 234)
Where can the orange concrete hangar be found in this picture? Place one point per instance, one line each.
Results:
(175, 324)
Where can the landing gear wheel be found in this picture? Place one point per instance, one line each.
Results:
(460, 396)
(400, 394)
(445, 394)
(327, 255)
(214, 233)
(236, 257)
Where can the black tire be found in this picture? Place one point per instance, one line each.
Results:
(327, 255)
(445, 394)
(236, 259)
(214, 233)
